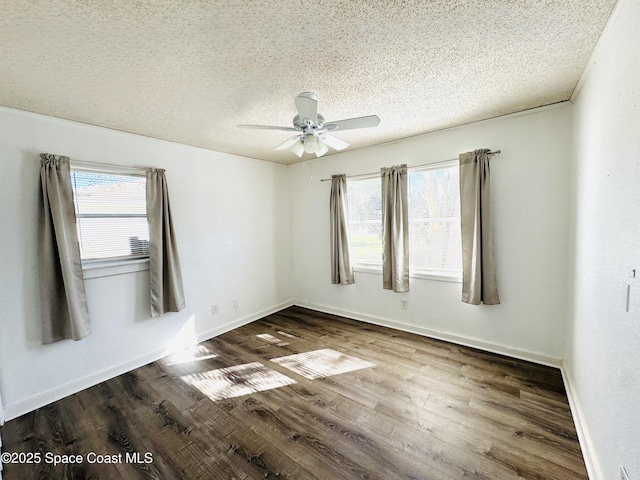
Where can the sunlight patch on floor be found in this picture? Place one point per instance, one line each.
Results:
(322, 363)
(271, 340)
(190, 354)
(237, 381)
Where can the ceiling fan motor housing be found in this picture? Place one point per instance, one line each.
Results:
(306, 125)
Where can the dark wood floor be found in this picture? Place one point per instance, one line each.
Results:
(425, 409)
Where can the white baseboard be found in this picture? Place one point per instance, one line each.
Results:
(27, 405)
(447, 337)
(593, 468)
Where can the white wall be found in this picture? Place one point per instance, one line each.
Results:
(530, 202)
(603, 341)
(232, 222)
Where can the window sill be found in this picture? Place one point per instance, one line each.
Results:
(425, 275)
(107, 269)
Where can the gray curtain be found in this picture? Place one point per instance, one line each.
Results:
(478, 265)
(395, 229)
(341, 269)
(165, 274)
(63, 302)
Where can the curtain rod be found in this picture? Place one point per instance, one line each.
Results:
(497, 152)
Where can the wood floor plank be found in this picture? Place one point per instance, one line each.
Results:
(420, 409)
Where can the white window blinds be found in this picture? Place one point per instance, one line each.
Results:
(111, 215)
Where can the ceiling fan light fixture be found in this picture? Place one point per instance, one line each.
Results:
(297, 148)
(310, 143)
(322, 149)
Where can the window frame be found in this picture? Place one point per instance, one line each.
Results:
(376, 269)
(104, 267)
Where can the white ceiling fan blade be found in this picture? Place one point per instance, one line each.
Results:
(307, 105)
(351, 123)
(334, 142)
(287, 143)
(269, 127)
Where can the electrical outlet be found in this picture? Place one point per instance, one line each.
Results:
(404, 304)
(215, 309)
(236, 304)
(623, 474)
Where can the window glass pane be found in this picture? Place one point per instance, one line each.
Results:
(111, 215)
(434, 220)
(365, 220)
(100, 193)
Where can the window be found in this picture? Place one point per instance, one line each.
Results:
(434, 221)
(365, 220)
(111, 214)
(435, 245)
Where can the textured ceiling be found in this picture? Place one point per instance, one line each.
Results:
(189, 71)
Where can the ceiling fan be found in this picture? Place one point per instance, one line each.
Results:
(312, 132)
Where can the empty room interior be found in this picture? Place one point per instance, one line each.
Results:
(320, 240)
